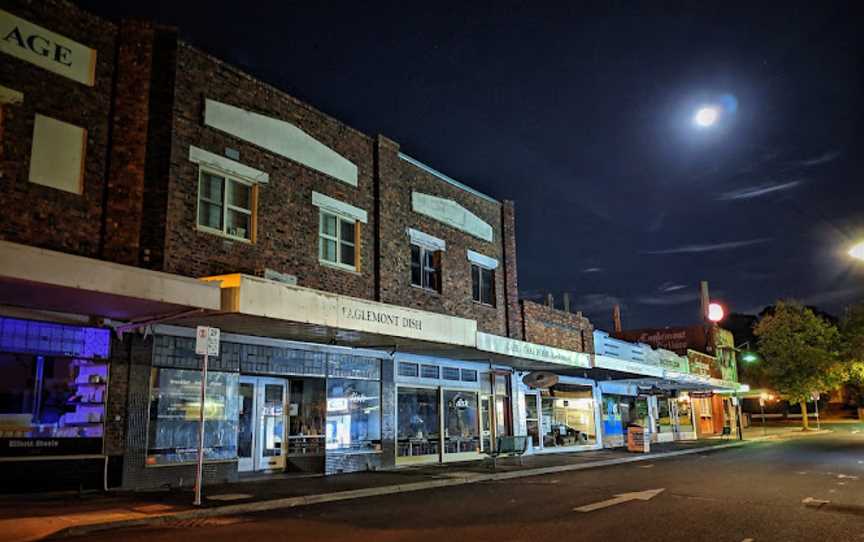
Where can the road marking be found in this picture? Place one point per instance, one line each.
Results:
(847, 476)
(814, 503)
(747, 540)
(646, 466)
(648, 494)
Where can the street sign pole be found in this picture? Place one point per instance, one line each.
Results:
(200, 467)
(206, 344)
(762, 408)
(816, 402)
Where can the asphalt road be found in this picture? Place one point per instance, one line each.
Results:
(756, 492)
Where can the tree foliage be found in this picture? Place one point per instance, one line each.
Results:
(852, 346)
(800, 351)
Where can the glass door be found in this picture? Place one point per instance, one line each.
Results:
(271, 422)
(461, 425)
(246, 425)
(485, 424)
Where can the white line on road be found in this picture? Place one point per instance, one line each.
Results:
(814, 503)
(620, 499)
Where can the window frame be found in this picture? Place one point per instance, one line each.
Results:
(479, 299)
(355, 242)
(252, 212)
(425, 271)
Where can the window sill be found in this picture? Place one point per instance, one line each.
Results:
(331, 265)
(486, 305)
(223, 235)
(429, 291)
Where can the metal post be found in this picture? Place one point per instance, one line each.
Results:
(199, 470)
(762, 408)
(816, 402)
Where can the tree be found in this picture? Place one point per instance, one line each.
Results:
(852, 348)
(799, 353)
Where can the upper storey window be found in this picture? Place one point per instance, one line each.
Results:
(226, 205)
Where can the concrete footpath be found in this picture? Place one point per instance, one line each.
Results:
(26, 518)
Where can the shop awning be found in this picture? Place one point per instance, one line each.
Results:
(268, 308)
(38, 279)
(256, 306)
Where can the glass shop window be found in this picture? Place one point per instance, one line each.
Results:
(418, 424)
(307, 412)
(52, 397)
(353, 414)
(461, 422)
(568, 418)
(175, 406)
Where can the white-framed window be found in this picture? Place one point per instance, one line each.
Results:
(226, 205)
(483, 285)
(337, 240)
(425, 267)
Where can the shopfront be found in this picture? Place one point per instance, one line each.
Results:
(271, 406)
(442, 409)
(563, 417)
(53, 395)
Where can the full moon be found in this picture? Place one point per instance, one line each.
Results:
(706, 116)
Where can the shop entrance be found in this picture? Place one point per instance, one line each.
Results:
(261, 431)
(281, 424)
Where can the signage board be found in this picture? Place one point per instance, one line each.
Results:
(616, 364)
(259, 297)
(41, 47)
(526, 350)
(207, 341)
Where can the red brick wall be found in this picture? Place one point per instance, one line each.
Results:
(34, 214)
(552, 327)
(398, 178)
(511, 284)
(125, 196)
(287, 230)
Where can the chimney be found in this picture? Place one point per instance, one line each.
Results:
(566, 302)
(616, 318)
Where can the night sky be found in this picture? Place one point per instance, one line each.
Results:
(583, 115)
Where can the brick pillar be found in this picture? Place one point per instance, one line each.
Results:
(511, 287)
(390, 213)
(124, 198)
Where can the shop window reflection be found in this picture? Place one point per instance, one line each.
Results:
(568, 418)
(418, 429)
(353, 414)
(461, 429)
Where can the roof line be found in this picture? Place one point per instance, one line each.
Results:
(446, 179)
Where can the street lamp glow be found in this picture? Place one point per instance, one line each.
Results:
(706, 116)
(857, 251)
(715, 312)
(749, 357)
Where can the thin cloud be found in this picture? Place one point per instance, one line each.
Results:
(751, 192)
(592, 270)
(671, 299)
(695, 249)
(671, 287)
(821, 159)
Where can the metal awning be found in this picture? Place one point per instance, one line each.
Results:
(45, 280)
(267, 308)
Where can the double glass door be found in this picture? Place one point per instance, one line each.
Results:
(436, 424)
(261, 431)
